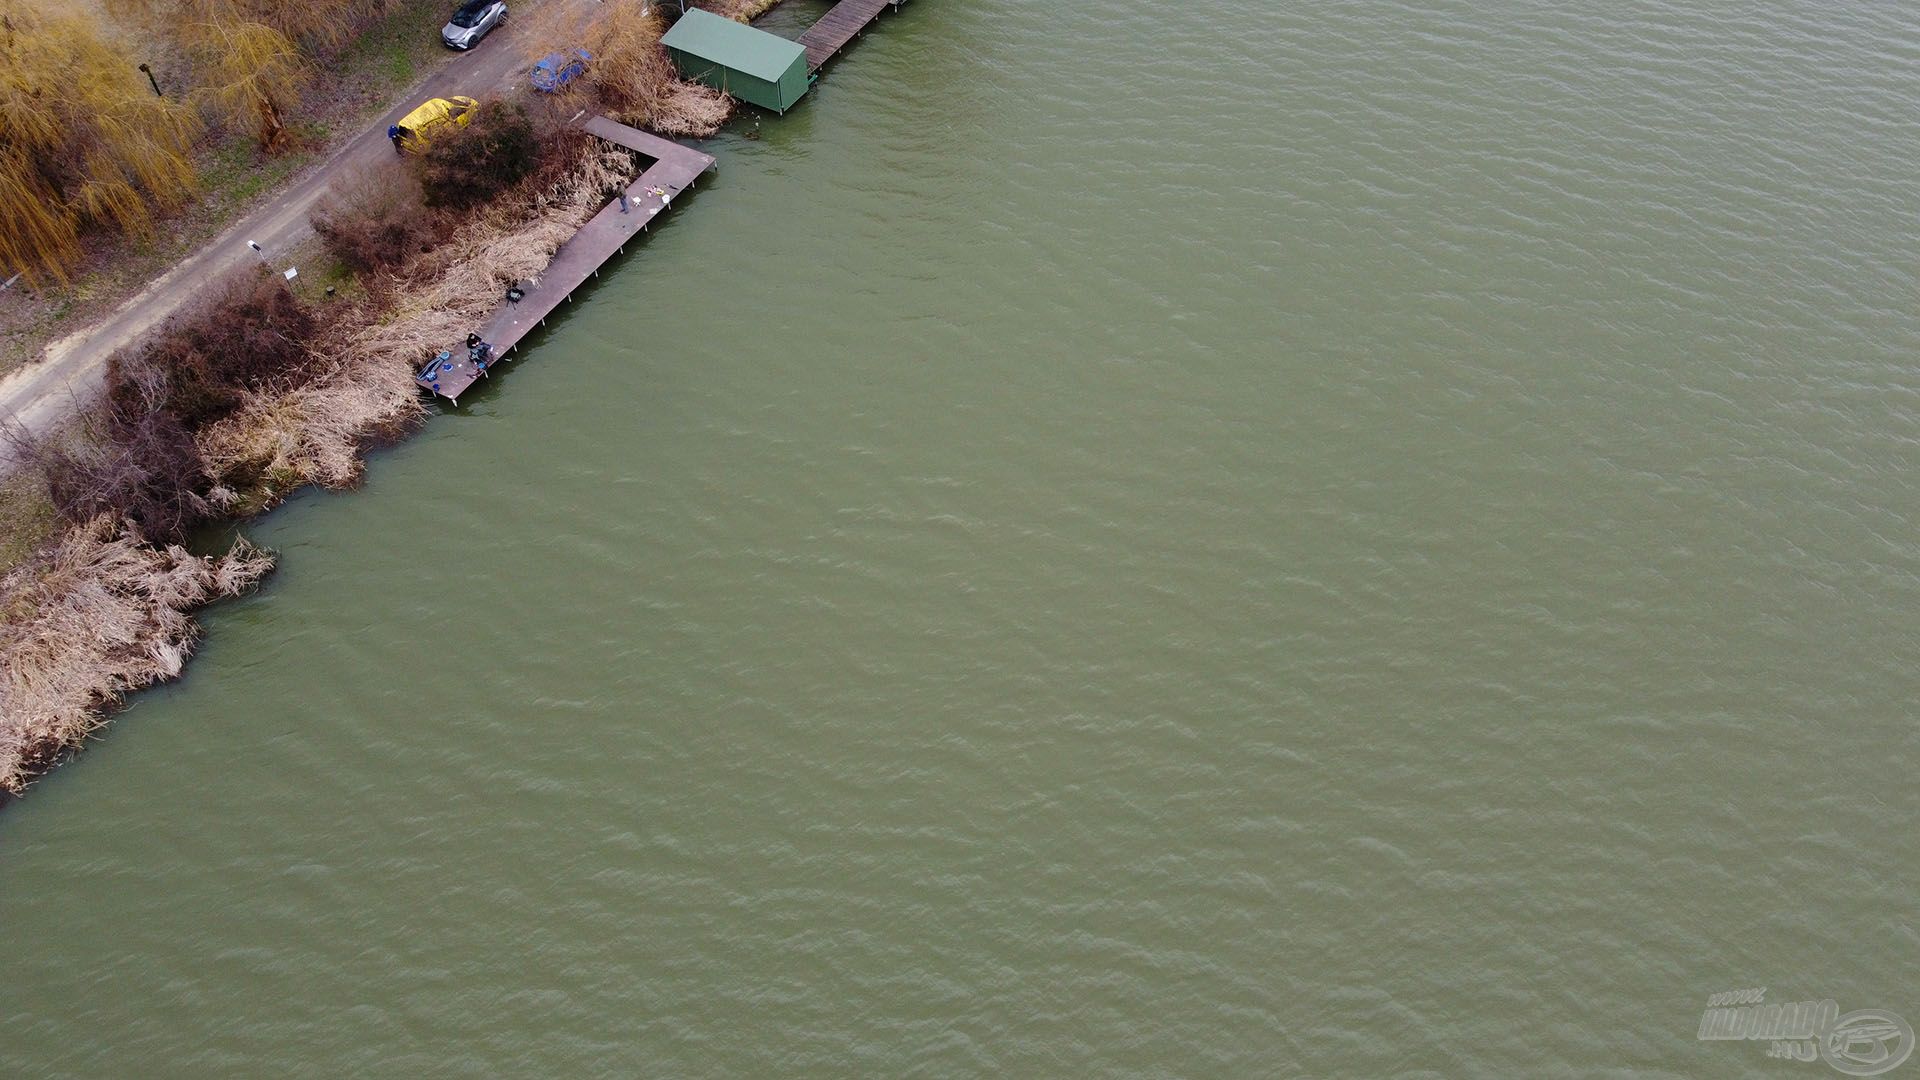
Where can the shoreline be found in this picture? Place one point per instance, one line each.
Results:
(61, 676)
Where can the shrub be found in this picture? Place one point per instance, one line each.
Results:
(135, 461)
(375, 243)
(470, 165)
(253, 335)
(139, 458)
(378, 226)
(562, 152)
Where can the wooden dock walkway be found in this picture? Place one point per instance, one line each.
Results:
(674, 169)
(840, 25)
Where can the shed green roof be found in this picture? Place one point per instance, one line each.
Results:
(733, 44)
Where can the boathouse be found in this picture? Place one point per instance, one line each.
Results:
(757, 67)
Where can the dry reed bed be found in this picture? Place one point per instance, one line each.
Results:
(693, 110)
(103, 613)
(365, 390)
(739, 10)
(635, 82)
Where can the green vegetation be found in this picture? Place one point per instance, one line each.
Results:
(235, 173)
(394, 51)
(28, 521)
(320, 271)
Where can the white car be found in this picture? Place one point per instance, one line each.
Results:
(471, 21)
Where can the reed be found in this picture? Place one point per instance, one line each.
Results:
(739, 10)
(102, 613)
(632, 79)
(362, 388)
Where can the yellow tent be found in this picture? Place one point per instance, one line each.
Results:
(417, 128)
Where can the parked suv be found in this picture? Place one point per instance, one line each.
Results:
(471, 21)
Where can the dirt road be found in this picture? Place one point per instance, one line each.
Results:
(43, 394)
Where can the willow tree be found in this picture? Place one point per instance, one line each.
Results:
(248, 55)
(314, 25)
(84, 142)
(249, 72)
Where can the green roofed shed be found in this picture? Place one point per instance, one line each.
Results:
(752, 65)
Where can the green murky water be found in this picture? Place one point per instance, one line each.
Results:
(1215, 539)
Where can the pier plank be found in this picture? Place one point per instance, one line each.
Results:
(831, 32)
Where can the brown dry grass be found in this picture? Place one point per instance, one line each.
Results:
(738, 10)
(690, 109)
(99, 611)
(101, 614)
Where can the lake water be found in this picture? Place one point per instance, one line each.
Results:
(1117, 539)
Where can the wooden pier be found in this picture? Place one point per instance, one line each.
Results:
(840, 25)
(674, 169)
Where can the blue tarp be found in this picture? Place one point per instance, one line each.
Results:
(556, 70)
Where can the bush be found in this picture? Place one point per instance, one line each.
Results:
(136, 461)
(253, 335)
(378, 226)
(139, 458)
(561, 152)
(376, 243)
(470, 165)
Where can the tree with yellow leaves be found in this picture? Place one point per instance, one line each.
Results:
(251, 72)
(249, 55)
(83, 141)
